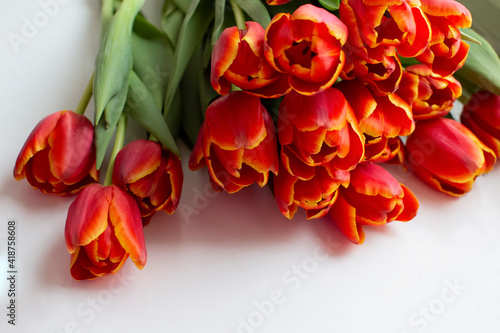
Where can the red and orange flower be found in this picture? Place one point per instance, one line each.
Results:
(103, 229)
(307, 46)
(314, 130)
(374, 197)
(380, 117)
(238, 58)
(447, 155)
(237, 142)
(59, 155)
(151, 174)
(429, 95)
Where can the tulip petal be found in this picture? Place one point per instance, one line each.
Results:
(197, 160)
(410, 205)
(243, 129)
(87, 216)
(36, 141)
(371, 179)
(79, 266)
(136, 160)
(125, 217)
(71, 144)
(456, 13)
(343, 216)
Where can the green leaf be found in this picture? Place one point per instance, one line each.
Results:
(114, 59)
(330, 4)
(256, 10)
(220, 7)
(194, 27)
(152, 56)
(482, 66)
(105, 127)
(193, 107)
(171, 23)
(142, 107)
(113, 66)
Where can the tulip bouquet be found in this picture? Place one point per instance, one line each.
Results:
(306, 97)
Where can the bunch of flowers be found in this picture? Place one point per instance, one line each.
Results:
(309, 102)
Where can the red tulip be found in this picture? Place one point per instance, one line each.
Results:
(374, 197)
(380, 117)
(447, 156)
(379, 67)
(103, 229)
(151, 174)
(482, 116)
(428, 94)
(238, 58)
(315, 194)
(399, 23)
(237, 142)
(446, 52)
(59, 155)
(307, 45)
(318, 129)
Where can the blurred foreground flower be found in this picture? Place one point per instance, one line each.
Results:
(59, 155)
(447, 155)
(237, 142)
(482, 116)
(151, 174)
(374, 197)
(103, 229)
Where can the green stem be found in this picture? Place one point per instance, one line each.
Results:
(87, 95)
(106, 14)
(119, 140)
(239, 17)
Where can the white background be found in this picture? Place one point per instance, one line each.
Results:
(235, 264)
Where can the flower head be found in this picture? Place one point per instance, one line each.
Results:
(374, 197)
(307, 45)
(318, 129)
(315, 194)
(151, 174)
(59, 155)
(447, 155)
(237, 142)
(430, 95)
(103, 229)
(238, 58)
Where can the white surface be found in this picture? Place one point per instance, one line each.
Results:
(213, 271)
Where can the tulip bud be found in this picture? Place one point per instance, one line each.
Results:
(59, 155)
(151, 174)
(237, 142)
(103, 228)
(447, 155)
(318, 129)
(307, 45)
(238, 58)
